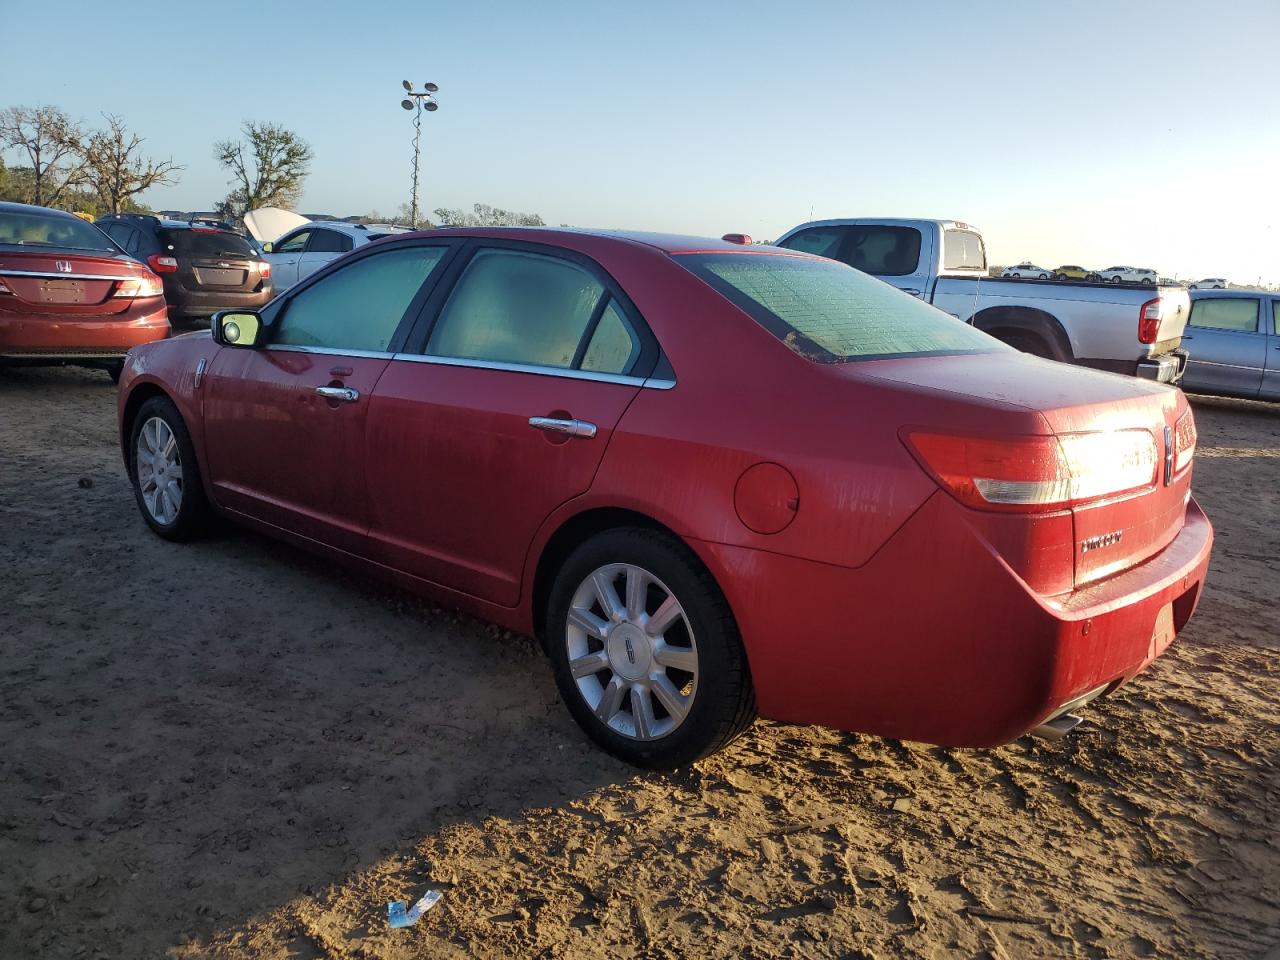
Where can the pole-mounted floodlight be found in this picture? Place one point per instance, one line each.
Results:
(418, 101)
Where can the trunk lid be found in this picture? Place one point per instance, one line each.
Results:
(66, 283)
(1109, 535)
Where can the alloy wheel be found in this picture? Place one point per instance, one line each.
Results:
(159, 467)
(631, 651)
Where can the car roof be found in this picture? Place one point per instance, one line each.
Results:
(566, 236)
(7, 206)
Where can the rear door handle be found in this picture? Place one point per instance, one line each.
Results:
(345, 394)
(570, 428)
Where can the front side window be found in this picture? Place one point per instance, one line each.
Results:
(826, 312)
(360, 306)
(329, 241)
(515, 307)
(295, 244)
(1238, 314)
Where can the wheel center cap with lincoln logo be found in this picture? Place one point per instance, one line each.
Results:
(630, 651)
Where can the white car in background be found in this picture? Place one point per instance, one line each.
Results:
(1020, 271)
(1129, 275)
(301, 247)
(1210, 283)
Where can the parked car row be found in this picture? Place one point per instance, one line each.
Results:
(1117, 274)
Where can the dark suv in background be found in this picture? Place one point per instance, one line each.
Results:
(205, 268)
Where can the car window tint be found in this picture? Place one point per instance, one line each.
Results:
(614, 345)
(133, 242)
(820, 241)
(1226, 313)
(329, 241)
(206, 243)
(826, 312)
(962, 250)
(515, 307)
(295, 244)
(884, 251)
(360, 306)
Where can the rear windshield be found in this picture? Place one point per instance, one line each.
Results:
(35, 229)
(207, 243)
(827, 312)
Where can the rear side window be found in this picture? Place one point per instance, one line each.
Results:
(206, 243)
(613, 347)
(516, 307)
(826, 312)
(962, 250)
(881, 250)
(1226, 313)
(329, 241)
(360, 306)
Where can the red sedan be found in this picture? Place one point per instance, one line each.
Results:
(68, 294)
(715, 479)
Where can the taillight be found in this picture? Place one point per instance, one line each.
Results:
(161, 264)
(1039, 473)
(264, 269)
(144, 286)
(1149, 318)
(1184, 442)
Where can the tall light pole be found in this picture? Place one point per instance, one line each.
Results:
(418, 101)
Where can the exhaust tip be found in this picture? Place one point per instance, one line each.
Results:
(1058, 727)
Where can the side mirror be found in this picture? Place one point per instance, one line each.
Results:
(236, 328)
(268, 247)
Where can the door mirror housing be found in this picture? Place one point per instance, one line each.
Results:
(268, 247)
(237, 328)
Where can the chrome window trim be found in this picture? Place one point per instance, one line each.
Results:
(650, 383)
(67, 276)
(327, 351)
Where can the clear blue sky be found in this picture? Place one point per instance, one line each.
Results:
(1144, 133)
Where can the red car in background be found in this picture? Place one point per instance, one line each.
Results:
(715, 479)
(69, 295)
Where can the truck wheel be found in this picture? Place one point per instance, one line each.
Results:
(1027, 343)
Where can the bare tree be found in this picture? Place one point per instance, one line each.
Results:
(54, 146)
(116, 171)
(267, 170)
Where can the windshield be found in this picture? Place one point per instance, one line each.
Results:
(829, 312)
(207, 243)
(36, 229)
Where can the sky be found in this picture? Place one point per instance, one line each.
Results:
(1092, 133)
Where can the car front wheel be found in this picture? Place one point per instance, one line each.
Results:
(645, 650)
(166, 481)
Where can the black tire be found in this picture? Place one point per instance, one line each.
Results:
(723, 704)
(1028, 343)
(191, 519)
(1148, 282)
(114, 370)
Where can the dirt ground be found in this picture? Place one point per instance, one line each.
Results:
(230, 749)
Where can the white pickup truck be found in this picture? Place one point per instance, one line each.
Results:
(1135, 330)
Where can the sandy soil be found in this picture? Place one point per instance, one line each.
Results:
(233, 750)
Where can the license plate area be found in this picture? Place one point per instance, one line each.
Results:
(219, 277)
(62, 291)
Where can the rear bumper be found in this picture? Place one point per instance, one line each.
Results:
(44, 337)
(936, 639)
(1167, 368)
(190, 305)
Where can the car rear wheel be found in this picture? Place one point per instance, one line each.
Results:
(1148, 282)
(1115, 279)
(645, 650)
(166, 481)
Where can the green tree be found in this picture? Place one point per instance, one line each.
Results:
(483, 215)
(116, 171)
(268, 168)
(53, 146)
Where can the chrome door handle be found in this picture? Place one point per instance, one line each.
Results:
(345, 394)
(570, 428)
